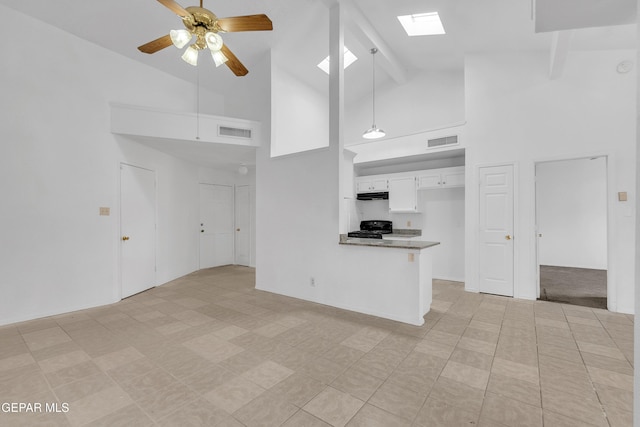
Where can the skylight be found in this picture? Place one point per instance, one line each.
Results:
(422, 24)
(349, 58)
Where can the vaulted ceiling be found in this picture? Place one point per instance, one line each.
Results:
(299, 39)
(300, 32)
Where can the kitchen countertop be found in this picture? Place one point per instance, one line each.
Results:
(406, 233)
(398, 244)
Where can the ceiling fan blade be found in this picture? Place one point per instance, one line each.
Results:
(175, 8)
(234, 63)
(156, 45)
(245, 23)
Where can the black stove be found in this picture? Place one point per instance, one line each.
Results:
(373, 229)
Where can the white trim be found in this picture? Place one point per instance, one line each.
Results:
(449, 279)
(235, 223)
(612, 286)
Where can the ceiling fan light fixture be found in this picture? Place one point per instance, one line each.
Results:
(190, 56)
(180, 38)
(219, 58)
(198, 22)
(214, 41)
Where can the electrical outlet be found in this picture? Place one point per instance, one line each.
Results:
(312, 282)
(408, 223)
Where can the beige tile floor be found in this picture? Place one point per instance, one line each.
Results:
(208, 349)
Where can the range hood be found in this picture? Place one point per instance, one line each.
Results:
(381, 195)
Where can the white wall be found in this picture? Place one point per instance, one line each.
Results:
(440, 218)
(257, 89)
(515, 114)
(59, 163)
(444, 212)
(571, 198)
(300, 115)
(636, 202)
(178, 214)
(428, 100)
(298, 202)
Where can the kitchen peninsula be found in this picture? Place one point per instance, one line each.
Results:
(395, 277)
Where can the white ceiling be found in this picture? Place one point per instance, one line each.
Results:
(300, 37)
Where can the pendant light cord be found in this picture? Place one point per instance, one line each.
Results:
(197, 103)
(374, 132)
(373, 72)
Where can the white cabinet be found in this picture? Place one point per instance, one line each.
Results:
(403, 196)
(403, 186)
(430, 180)
(453, 178)
(441, 178)
(371, 184)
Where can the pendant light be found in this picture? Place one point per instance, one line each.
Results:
(374, 132)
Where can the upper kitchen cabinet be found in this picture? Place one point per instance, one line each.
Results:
(441, 178)
(403, 196)
(371, 184)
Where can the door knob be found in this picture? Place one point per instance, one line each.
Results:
(202, 231)
(507, 237)
(125, 238)
(237, 229)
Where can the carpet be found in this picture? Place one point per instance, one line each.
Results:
(576, 286)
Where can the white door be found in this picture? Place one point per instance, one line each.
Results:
(243, 228)
(137, 229)
(496, 230)
(216, 225)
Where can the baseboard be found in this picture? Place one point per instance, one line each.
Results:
(449, 279)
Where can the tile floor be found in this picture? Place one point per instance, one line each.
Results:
(208, 349)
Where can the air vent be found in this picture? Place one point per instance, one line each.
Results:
(234, 132)
(444, 141)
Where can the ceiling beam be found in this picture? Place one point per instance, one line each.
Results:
(559, 52)
(369, 37)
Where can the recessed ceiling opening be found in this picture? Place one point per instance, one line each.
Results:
(349, 58)
(422, 24)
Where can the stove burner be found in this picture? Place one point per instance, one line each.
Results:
(372, 229)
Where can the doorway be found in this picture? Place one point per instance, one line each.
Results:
(496, 251)
(216, 225)
(571, 231)
(137, 229)
(243, 225)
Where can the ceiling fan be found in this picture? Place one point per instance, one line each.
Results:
(204, 25)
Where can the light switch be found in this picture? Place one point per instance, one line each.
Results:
(408, 223)
(622, 196)
(411, 257)
(105, 211)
